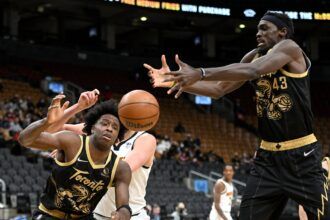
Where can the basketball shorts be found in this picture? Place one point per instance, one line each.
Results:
(276, 176)
(215, 216)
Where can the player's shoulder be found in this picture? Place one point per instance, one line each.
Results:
(220, 182)
(146, 136)
(248, 57)
(288, 46)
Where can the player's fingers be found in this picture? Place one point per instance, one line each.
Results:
(65, 105)
(57, 99)
(163, 59)
(172, 73)
(178, 61)
(174, 88)
(96, 92)
(171, 79)
(177, 95)
(148, 66)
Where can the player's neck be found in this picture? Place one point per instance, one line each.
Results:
(227, 180)
(99, 156)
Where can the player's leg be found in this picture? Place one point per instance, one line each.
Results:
(263, 197)
(325, 165)
(306, 180)
(214, 215)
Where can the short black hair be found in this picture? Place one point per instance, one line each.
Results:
(94, 114)
(286, 19)
(228, 165)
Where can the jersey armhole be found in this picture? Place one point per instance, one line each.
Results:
(63, 164)
(113, 172)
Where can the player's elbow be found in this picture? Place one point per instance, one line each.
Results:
(22, 140)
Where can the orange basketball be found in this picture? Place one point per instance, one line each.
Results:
(138, 110)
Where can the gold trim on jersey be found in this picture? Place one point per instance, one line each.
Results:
(294, 75)
(95, 166)
(288, 145)
(58, 214)
(324, 199)
(114, 169)
(63, 164)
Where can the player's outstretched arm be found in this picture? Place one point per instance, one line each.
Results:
(122, 180)
(283, 53)
(34, 136)
(86, 100)
(205, 88)
(214, 89)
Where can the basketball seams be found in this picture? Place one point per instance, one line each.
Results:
(139, 118)
(132, 103)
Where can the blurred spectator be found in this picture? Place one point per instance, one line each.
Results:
(180, 211)
(163, 145)
(155, 215)
(236, 161)
(188, 142)
(179, 128)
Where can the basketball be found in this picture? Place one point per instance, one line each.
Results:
(138, 110)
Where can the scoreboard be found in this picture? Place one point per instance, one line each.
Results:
(225, 10)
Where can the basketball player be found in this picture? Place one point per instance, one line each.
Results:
(223, 195)
(85, 167)
(287, 164)
(138, 149)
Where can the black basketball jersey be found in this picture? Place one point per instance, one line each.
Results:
(77, 186)
(284, 105)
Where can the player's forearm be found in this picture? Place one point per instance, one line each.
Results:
(32, 132)
(232, 72)
(213, 89)
(205, 88)
(68, 114)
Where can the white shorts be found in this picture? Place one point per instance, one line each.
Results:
(215, 216)
(141, 216)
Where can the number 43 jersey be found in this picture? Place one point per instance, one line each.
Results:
(284, 105)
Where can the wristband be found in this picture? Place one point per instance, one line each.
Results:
(203, 73)
(126, 207)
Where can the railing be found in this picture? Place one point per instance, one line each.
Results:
(3, 192)
(209, 179)
(212, 173)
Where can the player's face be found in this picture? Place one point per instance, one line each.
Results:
(267, 36)
(106, 130)
(228, 173)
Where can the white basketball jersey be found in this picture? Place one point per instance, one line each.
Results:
(137, 187)
(226, 198)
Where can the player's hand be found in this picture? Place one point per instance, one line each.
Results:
(53, 154)
(157, 76)
(115, 216)
(185, 76)
(88, 99)
(121, 214)
(55, 110)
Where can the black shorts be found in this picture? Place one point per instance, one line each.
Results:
(277, 176)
